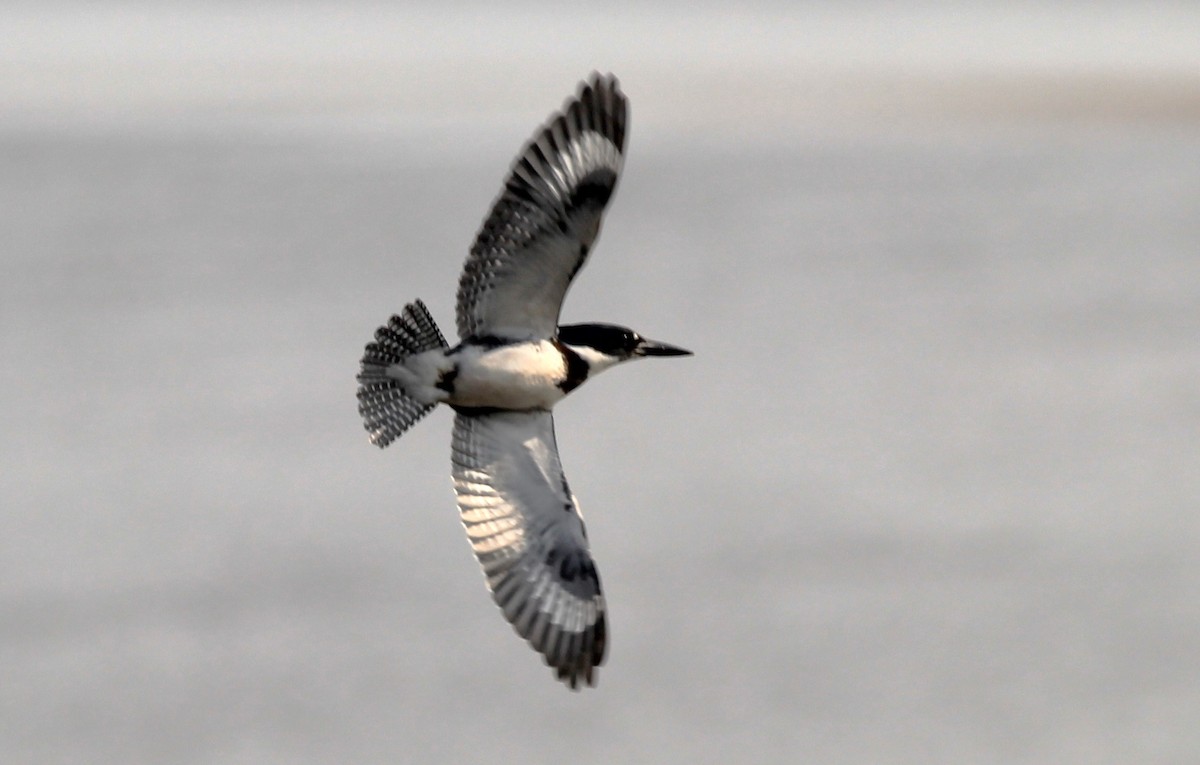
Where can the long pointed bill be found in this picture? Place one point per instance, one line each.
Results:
(651, 348)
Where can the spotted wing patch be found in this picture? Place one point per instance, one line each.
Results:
(545, 221)
(526, 530)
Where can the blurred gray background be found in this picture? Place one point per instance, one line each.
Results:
(926, 493)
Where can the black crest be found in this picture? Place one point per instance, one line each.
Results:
(606, 338)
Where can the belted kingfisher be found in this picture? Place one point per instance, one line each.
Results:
(512, 365)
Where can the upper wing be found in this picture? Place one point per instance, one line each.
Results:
(525, 528)
(539, 231)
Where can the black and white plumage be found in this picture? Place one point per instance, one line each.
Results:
(513, 363)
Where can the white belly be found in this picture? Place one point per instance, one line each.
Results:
(523, 376)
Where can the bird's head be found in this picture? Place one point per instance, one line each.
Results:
(603, 345)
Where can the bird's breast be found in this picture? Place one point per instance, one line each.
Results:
(516, 376)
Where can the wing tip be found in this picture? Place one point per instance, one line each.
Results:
(600, 95)
(584, 653)
(598, 103)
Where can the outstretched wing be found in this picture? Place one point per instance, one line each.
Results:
(540, 229)
(525, 528)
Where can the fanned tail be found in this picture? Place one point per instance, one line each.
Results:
(388, 411)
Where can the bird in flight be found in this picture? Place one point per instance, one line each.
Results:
(512, 364)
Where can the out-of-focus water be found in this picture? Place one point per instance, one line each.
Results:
(926, 493)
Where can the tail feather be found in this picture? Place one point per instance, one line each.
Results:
(388, 411)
